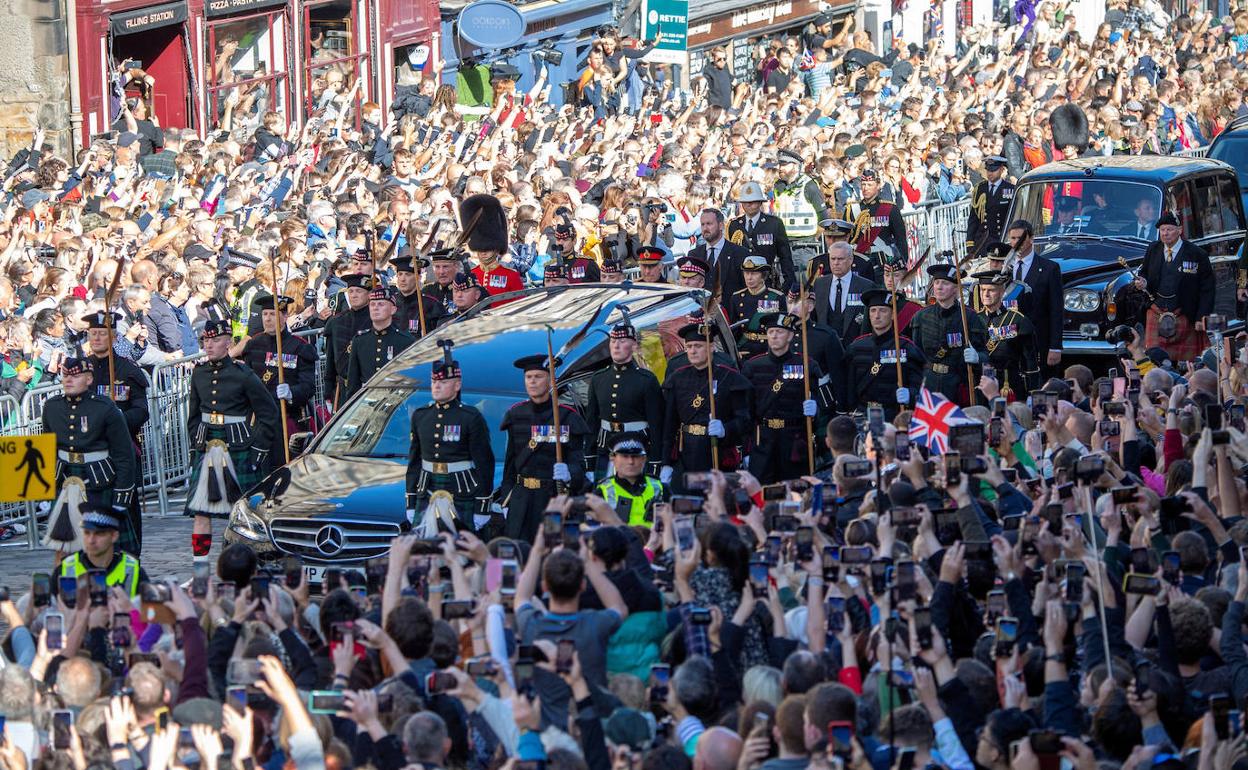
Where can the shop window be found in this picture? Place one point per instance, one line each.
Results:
(331, 51)
(247, 67)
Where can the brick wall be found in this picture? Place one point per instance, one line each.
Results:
(34, 74)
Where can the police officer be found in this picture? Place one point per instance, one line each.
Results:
(872, 361)
(938, 330)
(622, 398)
(413, 303)
(628, 489)
(450, 451)
(93, 445)
(339, 332)
(1011, 345)
(755, 297)
(100, 552)
(990, 203)
(368, 353)
(878, 226)
(531, 473)
(761, 233)
(246, 290)
(444, 264)
(298, 362)
(780, 403)
(128, 390)
(689, 431)
(229, 412)
(799, 203)
(650, 264)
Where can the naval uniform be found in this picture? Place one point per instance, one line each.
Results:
(987, 220)
(623, 398)
(408, 317)
(450, 452)
(780, 443)
(743, 304)
(228, 403)
(686, 445)
(369, 352)
(339, 331)
(93, 444)
(129, 393)
(767, 238)
(938, 332)
(872, 363)
(298, 370)
(528, 466)
(1012, 350)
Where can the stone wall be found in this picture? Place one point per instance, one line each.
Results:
(34, 74)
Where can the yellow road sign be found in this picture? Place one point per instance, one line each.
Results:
(27, 468)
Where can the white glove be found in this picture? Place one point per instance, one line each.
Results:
(809, 408)
(715, 429)
(665, 474)
(283, 392)
(903, 395)
(970, 356)
(411, 515)
(562, 473)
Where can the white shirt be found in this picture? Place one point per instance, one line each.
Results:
(843, 282)
(1025, 261)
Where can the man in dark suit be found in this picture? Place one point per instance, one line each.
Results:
(838, 295)
(1180, 277)
(723, 256)
(1042, 300)
(762, 234)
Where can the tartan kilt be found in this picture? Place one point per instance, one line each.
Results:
(103, 497)
(1186, 344)
(244, 471)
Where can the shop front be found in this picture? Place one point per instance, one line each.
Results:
(410, 41)
(246, 59)
(136, 50)
(556, 34)
(740, 29)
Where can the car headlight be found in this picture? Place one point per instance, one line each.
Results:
(1082, 300)
(246, 523)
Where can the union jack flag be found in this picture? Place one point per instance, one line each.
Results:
(807, 62)
(933, 414)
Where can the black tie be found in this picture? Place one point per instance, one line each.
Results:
(837, 302)
(710, 255)
(1018, 271)
(749, 227)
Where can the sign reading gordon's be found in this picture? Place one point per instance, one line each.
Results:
(491, 24)
(152, 17)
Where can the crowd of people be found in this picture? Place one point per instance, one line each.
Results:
(999, 560)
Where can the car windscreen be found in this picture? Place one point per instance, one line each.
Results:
(1234, 152)
(378, 423)
(1106, 208)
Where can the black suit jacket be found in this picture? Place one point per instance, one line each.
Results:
(1044, 304)
(1197, 286)
(854, 319)
(728, 258)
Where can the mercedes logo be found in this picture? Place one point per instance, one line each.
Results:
(330, 539)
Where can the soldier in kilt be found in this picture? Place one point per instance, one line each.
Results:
(231, 423)
(94, 458)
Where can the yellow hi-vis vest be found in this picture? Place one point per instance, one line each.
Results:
(790, 204)
(638, 507)
(125, 574)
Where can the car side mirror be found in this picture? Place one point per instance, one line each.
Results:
(299, 442)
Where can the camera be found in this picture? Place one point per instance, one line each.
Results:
(551, 56)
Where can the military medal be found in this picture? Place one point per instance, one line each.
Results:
(875, 368)
(83, 422)
(775, 386)
(697, 401)
(268, 375)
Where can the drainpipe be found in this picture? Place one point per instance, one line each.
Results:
(75, 102)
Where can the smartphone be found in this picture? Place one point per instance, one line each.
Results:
(1144, 560)
(856, 469)
(836, 614)
(783, 522)
(260, 583)
(484, 666)
(563, 657)
(1045, 742)
(953, 469)
(683, 529)
(697, 480)
(997, 605)
(967, 439)
(1170, 567)
(831, 563)
(54, 624)
(990, 371)
(759, 577)
(1007, 635)
(200, 574)
(923, 627)
(660, 678)
(1075, 573)
(879, 575)
(996, 431)
(225, 590)
(773, 547)
(1144, 585)
(327, 701)
(457, 609)
(841, 738)
(1089, 468)
(236, 698)
(120, 633)
(904, 581)
(901, 447)
(62, 725)
(804, 543)
(775, 492)
(439, 682)
(97, 583)
(552, 527)
(682, 504)
(875, 420)
(67, 587)
(856, 554)
(293, 572)
(1220, 706)
(41, 589)
(242, 672)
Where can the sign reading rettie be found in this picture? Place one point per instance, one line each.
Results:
(667, 23)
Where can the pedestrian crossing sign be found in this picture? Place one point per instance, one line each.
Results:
(27, 468)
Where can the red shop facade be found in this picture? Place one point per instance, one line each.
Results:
(199, 56)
